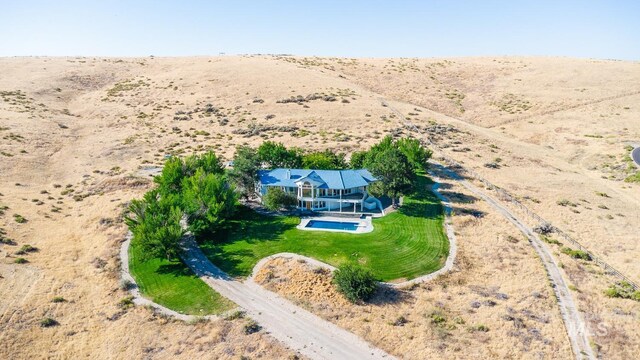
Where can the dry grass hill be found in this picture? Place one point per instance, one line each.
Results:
(79, 135)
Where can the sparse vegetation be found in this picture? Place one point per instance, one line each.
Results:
(126, 303)
(48, 322)
(576, 254)
(26, 248)
(251, 327)
(623, 290)
(565, 202)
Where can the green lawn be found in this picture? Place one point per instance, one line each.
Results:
(403, 245)
(174, 285)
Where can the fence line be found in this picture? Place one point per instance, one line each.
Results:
(505, 196)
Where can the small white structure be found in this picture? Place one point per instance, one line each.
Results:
(635, 155)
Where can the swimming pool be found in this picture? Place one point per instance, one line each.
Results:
(332, 225)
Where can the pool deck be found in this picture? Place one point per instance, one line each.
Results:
(364, 225)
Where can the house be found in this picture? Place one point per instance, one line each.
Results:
(322, 190)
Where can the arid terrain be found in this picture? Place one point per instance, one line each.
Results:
(79, 138)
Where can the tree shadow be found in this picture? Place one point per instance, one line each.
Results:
(387, 294)
(478, 214)
(227, 261)
(458, 197)
(177, 269)
(444, 186)
(423, 204)
(248, 226)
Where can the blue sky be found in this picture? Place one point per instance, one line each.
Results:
(400, 28)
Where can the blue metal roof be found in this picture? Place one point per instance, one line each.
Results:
(328, 179)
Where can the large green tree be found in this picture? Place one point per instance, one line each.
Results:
(155, 224)
(244, 173)
(276, 155)
(170, 180)
(324, 160)
(357, 159)
(393, 169)
(417, 154)
(208, 201)
(208, 162)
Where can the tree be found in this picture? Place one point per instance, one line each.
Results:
(276, 199)
(394, 171)
(324, 160)
(155, 225)
(208, 201)
(276, 155)
(355, 282)
(357, 159)
(176, 169)
(208, 162)
(417, 155)
(170, 180)
(244, 174)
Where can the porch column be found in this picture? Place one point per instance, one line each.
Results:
(340, 202)
(354, 207)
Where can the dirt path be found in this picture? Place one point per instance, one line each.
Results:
(301, 330)
(575, 325)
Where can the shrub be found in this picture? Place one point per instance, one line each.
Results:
(276, 199)
(544, 228)
(19, 218)
(58, 299)
(355, 283)
(251, 327)
(576, 254)
(126, 284)
(236, 314)
(4, 239)
(400, 321)
(549, 240)
(437, 318)
(26, 248)
(479, 327)
(126, 302)
(633, 178)
(622, 290)
(565, 202)
(48, 322)
(20, 260)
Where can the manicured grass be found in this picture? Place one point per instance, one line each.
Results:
(403, 245)
(174, 285)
